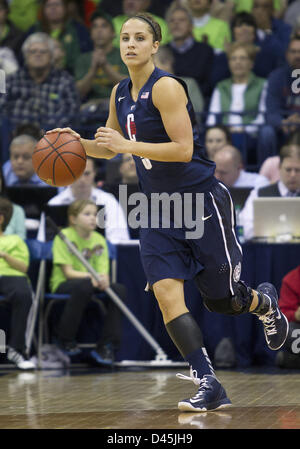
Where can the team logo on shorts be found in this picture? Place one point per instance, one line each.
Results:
(237, 272)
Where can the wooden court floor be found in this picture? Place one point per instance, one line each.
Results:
(144, 399)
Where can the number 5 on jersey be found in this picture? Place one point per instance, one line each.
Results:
(131, 130)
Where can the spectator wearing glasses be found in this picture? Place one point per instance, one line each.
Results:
(38, 92)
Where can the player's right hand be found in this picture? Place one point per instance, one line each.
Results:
(65, 130)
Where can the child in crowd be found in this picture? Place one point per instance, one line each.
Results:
(70, 276)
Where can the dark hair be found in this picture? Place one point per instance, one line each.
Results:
(6, 209)
(154, 26)
(98, 14)
(30, 129)
(224, 129)
(243, 18)
(290, 150)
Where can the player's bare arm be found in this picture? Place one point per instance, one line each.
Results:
(170, 99)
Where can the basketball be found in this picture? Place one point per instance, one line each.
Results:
(59, 159)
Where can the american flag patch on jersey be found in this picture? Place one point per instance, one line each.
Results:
(145, 95)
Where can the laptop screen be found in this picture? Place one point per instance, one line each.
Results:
(276, 217)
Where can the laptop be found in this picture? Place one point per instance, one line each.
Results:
(31, 198)
(277, 218)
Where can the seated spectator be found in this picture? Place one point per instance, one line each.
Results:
(230, 171)
(15, 286)
(39, 93)
(98, 71)
(70, 276)
(214, 32)
(269, 56)
(73, 35)
(288, 185)
(263, 12)
(243, 94)
(289, 303)
(116, 229)
(164, 60)
(292, 14)
(216, 138)
(16, 224)
(10, 36)
(132, 8)
(18, 170)
(282, 100)
(191, 59)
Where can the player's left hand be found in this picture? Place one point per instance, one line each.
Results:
(111, 139)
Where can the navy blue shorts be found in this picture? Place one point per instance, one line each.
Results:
(213, 261)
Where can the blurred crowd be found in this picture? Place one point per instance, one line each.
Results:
(239, 58)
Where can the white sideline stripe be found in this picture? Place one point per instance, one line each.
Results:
(232, 218)
(225, 243)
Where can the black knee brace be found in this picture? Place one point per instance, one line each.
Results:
(232, 305)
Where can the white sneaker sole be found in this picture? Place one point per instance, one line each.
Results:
(187, 407)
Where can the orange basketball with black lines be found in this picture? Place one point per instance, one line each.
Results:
(59, 159)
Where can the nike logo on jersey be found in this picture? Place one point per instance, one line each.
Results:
(206, 218)
(121, 98)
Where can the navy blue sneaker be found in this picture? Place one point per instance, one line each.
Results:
(103, 356)
(275, 323)
(210, 396)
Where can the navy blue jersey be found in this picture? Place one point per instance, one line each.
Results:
(141, 121)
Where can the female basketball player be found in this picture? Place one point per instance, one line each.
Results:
(151, 117)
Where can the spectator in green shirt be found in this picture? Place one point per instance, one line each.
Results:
(214, 32)
(15, 286)
(98, 71)
(70, 276)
